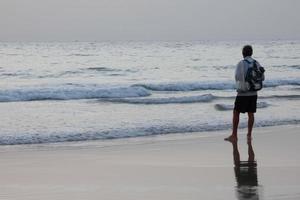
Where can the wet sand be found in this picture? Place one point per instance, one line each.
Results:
(194, 166)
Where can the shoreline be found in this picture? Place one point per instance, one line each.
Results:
(141, 140)
(179, 166)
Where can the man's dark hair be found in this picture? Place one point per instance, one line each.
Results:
(247, 50)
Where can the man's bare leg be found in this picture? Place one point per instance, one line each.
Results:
(235, 125)
(250, 125)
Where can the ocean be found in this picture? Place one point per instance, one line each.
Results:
(79, 91)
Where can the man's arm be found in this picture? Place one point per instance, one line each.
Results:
(239, 75)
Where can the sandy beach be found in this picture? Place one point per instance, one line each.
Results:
(194, 166)
(132, 100)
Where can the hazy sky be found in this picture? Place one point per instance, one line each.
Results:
(89, 20)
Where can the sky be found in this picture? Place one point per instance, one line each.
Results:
(123, 20)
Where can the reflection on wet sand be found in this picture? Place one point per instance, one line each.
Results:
(245, 174)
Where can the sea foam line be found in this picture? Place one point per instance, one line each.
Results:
(37, 138)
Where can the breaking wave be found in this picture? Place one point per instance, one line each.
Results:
(69, 92)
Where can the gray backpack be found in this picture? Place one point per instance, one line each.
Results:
(254, 76)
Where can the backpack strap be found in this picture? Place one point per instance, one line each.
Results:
(254, 63)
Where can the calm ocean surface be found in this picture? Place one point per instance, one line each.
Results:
(58, 92)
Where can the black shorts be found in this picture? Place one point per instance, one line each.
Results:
(245, 104)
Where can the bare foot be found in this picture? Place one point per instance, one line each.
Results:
(231, 138)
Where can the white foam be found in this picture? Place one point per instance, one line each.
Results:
(68, 92)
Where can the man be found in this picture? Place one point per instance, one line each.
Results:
(245, 100)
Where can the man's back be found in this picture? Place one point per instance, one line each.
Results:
(240, 74)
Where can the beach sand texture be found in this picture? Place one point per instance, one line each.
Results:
(173, 167)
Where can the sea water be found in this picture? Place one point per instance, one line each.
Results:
(79, 91)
